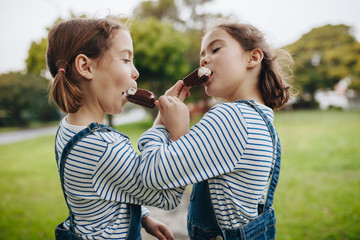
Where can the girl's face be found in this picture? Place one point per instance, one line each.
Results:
(225, 57)
(114, 74)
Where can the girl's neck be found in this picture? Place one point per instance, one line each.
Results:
(251, 96)
(247, 92)
(248, 87)
(84, 117)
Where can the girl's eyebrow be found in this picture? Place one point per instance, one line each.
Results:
(202, 53)
(128, 51)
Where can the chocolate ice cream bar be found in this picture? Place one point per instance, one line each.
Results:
(141, 97)
(197, 77)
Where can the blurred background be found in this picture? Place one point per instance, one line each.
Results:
(319, 188)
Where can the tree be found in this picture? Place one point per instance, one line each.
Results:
(324, 56)
(192, 27)
(164, 10)
(23, 98)
(36, 62)
(159, 52)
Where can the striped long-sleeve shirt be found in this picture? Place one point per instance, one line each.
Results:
(101, 177)
(230, 146)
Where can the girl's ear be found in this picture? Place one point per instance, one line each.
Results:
(83, 66)
(255, 58)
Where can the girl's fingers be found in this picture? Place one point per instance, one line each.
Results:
(164, 102)
(171, 99)
(157, 103)
(167, 102)
(173, 90)
(184, 93)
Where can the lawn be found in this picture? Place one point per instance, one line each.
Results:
(317, 197)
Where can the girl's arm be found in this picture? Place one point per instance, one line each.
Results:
(211, 148)
(118, 175)
(117, 178)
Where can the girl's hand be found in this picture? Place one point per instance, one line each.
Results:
(180, 91)
(156, 228)
(175, 116)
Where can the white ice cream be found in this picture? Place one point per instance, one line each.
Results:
(131, 91)
(204, 71)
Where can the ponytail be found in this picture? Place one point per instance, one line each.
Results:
(274, 79)
(66, 93)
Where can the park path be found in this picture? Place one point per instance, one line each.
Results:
(134, 115)
(22, 135)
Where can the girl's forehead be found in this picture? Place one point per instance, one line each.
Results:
(122, 39)
(216, 33)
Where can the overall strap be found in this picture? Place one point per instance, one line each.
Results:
(93, 127)
(275, 170)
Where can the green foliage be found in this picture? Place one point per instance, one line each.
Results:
(191, 31)
(324, 56)
(316, 196)
(23, 98)
(36, 60)
(161, 9)
(159, 53)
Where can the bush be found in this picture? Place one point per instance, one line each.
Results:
(23, 99)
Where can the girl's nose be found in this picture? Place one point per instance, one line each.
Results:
(204, 61)
(135, 74)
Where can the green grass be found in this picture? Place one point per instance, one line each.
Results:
(319, 189)
(317, 197)
(31, 200)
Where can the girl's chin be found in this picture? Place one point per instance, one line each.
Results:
(210, 91)
(213, 93)
(207, 91)
(118, 108)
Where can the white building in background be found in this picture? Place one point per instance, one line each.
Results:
(339, 97)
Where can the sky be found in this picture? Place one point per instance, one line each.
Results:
(282, 21)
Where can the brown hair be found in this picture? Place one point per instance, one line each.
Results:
(68, 39)
(276, 72)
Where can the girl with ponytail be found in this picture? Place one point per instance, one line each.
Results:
(91, 61)
(232, 155)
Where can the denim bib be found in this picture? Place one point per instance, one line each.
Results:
(202, 223)
(61, 233)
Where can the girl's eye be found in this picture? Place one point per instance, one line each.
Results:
(126, 60)
(215, 50)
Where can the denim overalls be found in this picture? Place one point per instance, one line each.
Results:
(202, 222)
(135, 210)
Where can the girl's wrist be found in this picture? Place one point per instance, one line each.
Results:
(158, 120)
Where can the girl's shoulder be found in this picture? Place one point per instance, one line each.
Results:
(101, 135)
(240, 109)
(224, 105)
(229, 108)
(226, 112)
(111, 136)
